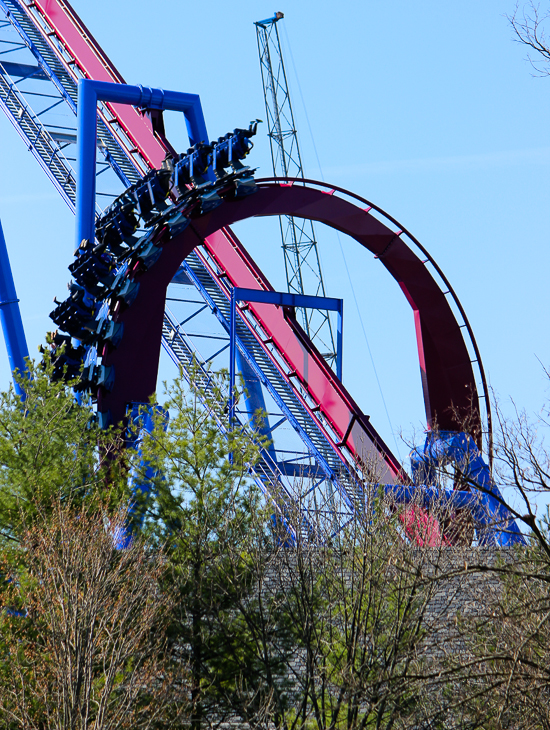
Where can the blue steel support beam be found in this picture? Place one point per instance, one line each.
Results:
(322, 463)
(255, 402)
(89, 93)
(280, 299)
(284, 299)
(495, 523)
(12, 325)
(141, 425)
(24, 70)
(232, 348)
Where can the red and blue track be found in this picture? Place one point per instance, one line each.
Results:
(195, 240)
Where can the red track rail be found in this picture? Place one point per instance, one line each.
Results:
(449, 384)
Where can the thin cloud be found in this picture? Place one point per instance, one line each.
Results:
(504, 158)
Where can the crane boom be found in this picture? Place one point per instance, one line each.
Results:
(299, 243)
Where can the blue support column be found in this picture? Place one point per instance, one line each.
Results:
(232, 348)
(141, 425)
(86, 156)
(89, 93)
(340, 341)
(254, 397)
(12, 325)
(255, 401)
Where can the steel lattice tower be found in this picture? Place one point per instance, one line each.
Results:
(302, 264)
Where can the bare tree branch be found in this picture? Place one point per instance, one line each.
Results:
(530, 28)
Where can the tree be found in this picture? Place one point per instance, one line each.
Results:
(531, 27)
(495, 672)
(509, 640)
(218, 613)
(207, 512)
(346, 622)
(83, 638)
(50, 446)
(83, 624)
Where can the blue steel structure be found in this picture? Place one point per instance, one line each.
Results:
(330, 483)
(286, 411)
(49, 142)
(12, 325)
(89, 93)
(279, 299)
(142, 420)
(259, 371)
(477, 494)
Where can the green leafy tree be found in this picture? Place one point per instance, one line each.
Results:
(51, 446)
(354, 608)
(82, 623)
(208, 514)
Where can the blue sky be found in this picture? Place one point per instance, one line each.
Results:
(427, 109)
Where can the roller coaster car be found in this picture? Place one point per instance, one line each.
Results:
(122, 288)
(126, 292)
(80, 295)
(75, 316)
(104, 272)
(66, 359)
(150, 193)
(95, 376)
(115, 228)
(109, 331)
(92, 269)
(145, 255)
(190, 168)
(228, 151)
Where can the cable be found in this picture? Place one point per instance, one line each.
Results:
(341, 247)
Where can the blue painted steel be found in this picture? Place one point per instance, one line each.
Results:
(494, 522)
(269, 21)
(232, 344)
(255, 402)
(266, 472)
(24, 70)
(86, 156)
(39, 57)
(340, 342)
(66, 86)
(280, 299)
(45, 164)
(141, 424)
(313, 450)
(12, 325)
(89, 93)
(47, 58)
(284, 299)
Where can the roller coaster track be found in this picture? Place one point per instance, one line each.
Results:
(327, 420)
(56, 64)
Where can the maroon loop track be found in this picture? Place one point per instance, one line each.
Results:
(448, 381)
(447, 375)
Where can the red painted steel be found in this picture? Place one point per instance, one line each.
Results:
(450, 391)
(449, 383)
(448, 379)
(92, 63)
